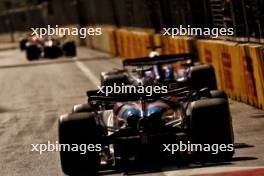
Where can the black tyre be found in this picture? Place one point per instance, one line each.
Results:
(118, 77)
(218, 94)
(211, 124)
(33, 52)
(83, 108)
(69, 49)
(202, 76)
(52, 51)
(79, 129)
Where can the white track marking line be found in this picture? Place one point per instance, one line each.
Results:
(213, 170)
(88, 73)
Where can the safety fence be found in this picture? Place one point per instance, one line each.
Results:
(239, 67)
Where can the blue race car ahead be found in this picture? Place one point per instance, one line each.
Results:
(141, 130)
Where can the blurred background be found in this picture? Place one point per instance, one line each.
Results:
(245, 16)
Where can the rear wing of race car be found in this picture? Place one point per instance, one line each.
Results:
(158, 60)
(93, 95)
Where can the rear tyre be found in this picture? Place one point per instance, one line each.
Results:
(69, 49)
(79, 129)
(211, 125)
(117, 76)
(83, 108)
(33, 52)
(52, 51)
(202, 76)
(218, 94)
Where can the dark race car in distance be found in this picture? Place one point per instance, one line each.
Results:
(48, 47)
(161, 69)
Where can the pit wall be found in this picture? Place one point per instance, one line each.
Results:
(239, 67)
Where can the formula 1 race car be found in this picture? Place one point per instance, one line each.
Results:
(161, 69)
(48, 47)
(137, 128)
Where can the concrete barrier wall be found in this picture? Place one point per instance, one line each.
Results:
(105, 42)
(208, 52)
(133, 43)
(256, 53)
(239, 67)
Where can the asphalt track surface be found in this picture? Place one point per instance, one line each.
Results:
(34, 94)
